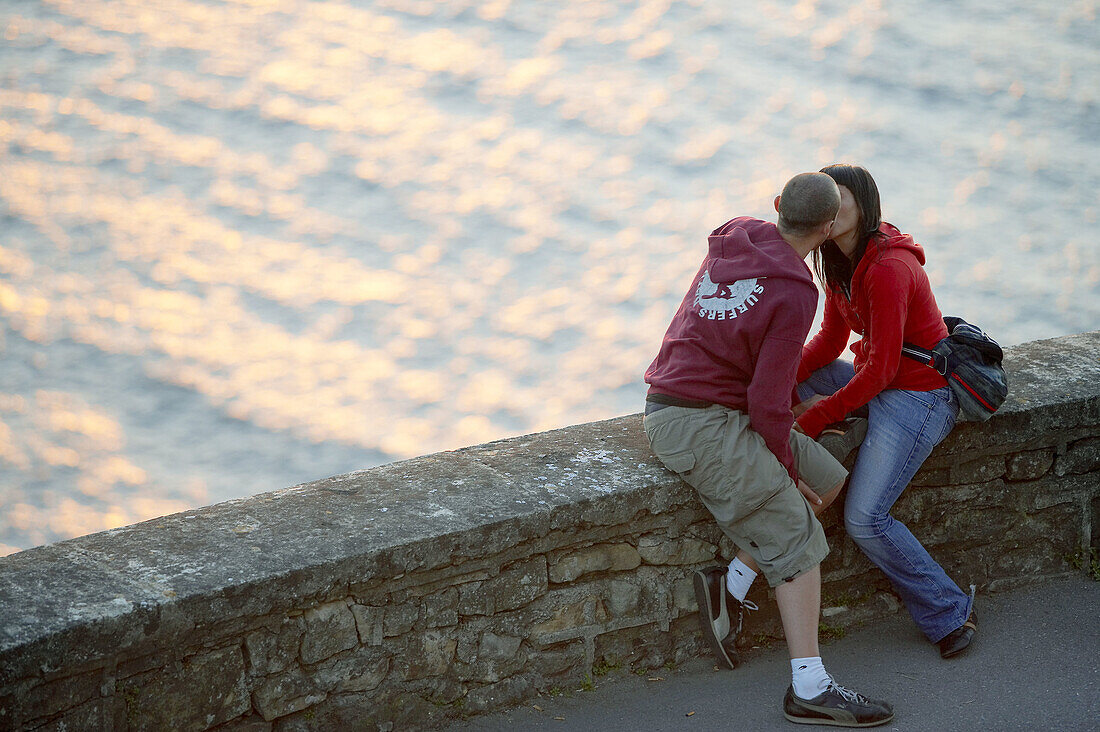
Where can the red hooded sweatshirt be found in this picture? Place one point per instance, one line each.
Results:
(738, 335)
(891, 303)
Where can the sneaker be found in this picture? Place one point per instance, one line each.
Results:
(841, 438)
(836, 706)
(720, 614)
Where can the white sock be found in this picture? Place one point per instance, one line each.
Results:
(739, 579)
(808, 677)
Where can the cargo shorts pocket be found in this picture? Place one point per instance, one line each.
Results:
(680, 463)
(764, 529)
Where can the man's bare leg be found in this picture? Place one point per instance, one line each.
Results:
(814, 697)
(799, 607)
(799, 604)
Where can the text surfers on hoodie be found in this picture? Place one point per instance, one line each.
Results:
(737, 337)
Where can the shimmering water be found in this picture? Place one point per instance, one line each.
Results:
(250, 243)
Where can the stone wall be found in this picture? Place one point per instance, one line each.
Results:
(406, 595)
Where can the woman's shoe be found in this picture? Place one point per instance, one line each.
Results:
(841, 438)
(957, 640)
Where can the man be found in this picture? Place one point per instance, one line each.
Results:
(718, 413)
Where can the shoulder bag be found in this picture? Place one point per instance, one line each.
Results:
(971, 362)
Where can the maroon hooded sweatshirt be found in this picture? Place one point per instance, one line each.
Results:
(737, 338)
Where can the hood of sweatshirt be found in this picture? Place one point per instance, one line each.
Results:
(746, 248)
(894, 244)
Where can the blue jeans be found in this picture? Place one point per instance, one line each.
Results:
(902, 428)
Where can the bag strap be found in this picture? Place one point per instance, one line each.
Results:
(927, 357)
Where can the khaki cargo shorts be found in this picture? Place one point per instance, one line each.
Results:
(748, 491)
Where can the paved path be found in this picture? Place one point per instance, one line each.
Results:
(1034, 665)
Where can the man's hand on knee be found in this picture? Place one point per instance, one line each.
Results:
(808, 492)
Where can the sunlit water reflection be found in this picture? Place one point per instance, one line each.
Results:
(247, 244)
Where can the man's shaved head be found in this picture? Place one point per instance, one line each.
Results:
(807, 201)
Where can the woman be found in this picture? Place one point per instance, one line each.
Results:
(876, 286)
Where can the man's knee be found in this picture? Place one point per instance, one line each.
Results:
(799, 555)
(827, 498)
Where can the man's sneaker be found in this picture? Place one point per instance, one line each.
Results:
(836, 706)
(720, 614)
(841, 438)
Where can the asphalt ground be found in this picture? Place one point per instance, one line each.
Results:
(1033, 665)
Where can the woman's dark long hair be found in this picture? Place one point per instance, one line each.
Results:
(833, 268)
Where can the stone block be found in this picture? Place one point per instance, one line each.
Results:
(395, 712)
(980, 525)
(443, 689)
(507, 692)
(271, 652)
(599, 558)
(88, 715)
(727, 550)
(515, 587)
(1081, 457)
(623, 598)
(567, 619)
(289, 692)
(329, 629)
(562, 541)
(563, 661)
(932, 476)
(683, 596)
(441, 609)
(48, 698)
(426, 655)
(430, 583)
(141, 664)
(1029, 465)
(564, 618)
(660, 550)
(369, 623)
(498, 647)
(496, 658)
(400, 618)
(1031, 544)
(981, 470)
(610, 509)
(473, 601)
(10, 708)
(361, 670)
(468, 640)
(203, 690)
(1030, 558)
